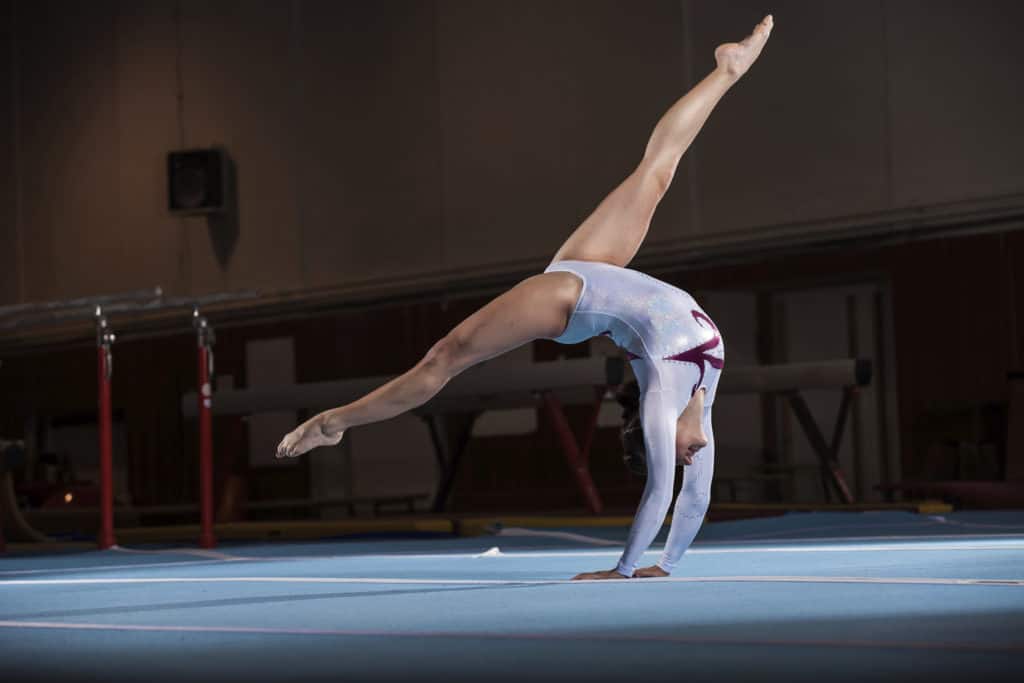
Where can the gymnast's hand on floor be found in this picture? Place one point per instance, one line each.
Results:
(305, 437)
(653, 572)
(596, 576)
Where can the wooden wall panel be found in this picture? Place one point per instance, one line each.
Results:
(68, 148)
(802, 136)
(9, 241)
(955, 99)
(153, 242)
(378, 141)
(238, 71)
(545, 108)
(369, 186)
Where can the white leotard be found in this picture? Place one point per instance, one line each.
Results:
(675, 349)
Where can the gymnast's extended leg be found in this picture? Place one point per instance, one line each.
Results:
(538, 307)
(615, 230)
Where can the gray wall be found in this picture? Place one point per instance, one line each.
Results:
(399, 140)
(9, 242)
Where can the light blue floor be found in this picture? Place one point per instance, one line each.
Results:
(804, 597)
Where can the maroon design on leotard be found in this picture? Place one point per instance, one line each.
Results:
(698, 355)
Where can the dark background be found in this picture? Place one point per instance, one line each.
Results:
(398, 163)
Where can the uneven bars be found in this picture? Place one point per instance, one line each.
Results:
(141, 301)
(85, 308)
(83, 302)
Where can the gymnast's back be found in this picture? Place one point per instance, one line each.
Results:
(647, 317)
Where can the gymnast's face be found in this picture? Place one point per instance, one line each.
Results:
(687, 448)
(690, 436)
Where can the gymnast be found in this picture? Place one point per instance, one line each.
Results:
(675, 350)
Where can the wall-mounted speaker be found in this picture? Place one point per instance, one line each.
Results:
(197, 181)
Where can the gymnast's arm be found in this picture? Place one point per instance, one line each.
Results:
(659, 422)
(691, 506)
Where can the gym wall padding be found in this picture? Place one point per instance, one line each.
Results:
(403, 141)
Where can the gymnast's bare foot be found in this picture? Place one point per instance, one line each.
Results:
(652, 572)
(735, 58)
(599, 576)
(306, 437)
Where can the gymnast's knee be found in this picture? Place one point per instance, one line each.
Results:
(445, 359)
(657, 174)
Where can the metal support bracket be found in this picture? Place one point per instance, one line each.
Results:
(827, 452)
(205, 337)
(105, 338)
(577, 456)
(448, 460)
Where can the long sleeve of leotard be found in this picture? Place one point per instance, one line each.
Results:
(692, 502)
(658, 414)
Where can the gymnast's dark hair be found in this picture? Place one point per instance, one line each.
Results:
(634, 454)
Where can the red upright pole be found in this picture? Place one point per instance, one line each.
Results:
(577, 459)
(204, 351)
(104, 365)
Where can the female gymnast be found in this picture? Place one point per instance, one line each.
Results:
(675, 349)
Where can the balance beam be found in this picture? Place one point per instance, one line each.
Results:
(492, 386)
(768, 379)
(496, 385)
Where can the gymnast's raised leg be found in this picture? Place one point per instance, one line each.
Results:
(540, 306)
(616, 229)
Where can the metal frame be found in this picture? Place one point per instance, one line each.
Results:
(66, 305)
(578, 454)
(827, 451)
(32, 316)
(448, 459)
(205, 339)
(104, 373)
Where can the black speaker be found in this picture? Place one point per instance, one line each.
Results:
(197, 181)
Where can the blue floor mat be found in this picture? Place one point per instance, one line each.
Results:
(800, 597)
